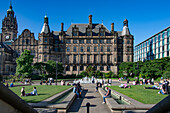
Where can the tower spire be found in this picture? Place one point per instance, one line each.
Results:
(10, 5)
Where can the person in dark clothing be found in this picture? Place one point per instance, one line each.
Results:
(79, 88)
(108, 94)
(128, 80)
(166, 86)
(23, 91)
(97, 86)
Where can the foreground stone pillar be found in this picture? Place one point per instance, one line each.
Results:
(162, 107)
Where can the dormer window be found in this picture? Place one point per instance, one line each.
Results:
(75, 31)
(102, 31)
(88, 33)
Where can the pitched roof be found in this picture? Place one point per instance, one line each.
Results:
(82, 29)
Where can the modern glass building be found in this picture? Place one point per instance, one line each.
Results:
(157, 46)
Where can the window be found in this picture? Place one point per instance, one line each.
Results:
(88, 49)
(119, 58)
(45, 58)
(74, 41)
(101, 49)
(128, 49)
(108, 49)
(81, 59)
(168, 33)
(27, 41)
(68, 68)
(95, 59)
(88, 59)
(75, 33)
(115, 41)
(88, 41)
(23, 41)
(74, 59)
(67, 59)
(163, 35)
(168, 47)
(102, 68)
(68, 49)
(128, 41)
(75, 49)
(88, 33)
(56, 49)
(167, 53)
(81, 41)
(95, 49)
(108, 68)
(81, 49)
(159, 37)
(102, 41)
(45, 40)
(81, 68)
(108, 58)
(108, 41)
(74, 68)
(68, 41)
(114, 49)
(128, 58)
(94, 41)
(102, 34)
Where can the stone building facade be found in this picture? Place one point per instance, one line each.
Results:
(78, 47)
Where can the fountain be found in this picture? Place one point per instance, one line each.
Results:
(87, 80)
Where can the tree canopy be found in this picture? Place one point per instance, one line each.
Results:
(24, 64)
(149, 69)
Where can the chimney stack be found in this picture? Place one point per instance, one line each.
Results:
(112, 27)
(62, 26)
(90, 19)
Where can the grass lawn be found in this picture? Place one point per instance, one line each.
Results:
(146, 96)
(44, 92)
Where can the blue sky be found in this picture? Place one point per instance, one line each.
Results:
(146, 17)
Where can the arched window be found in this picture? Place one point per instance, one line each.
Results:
(128, 41)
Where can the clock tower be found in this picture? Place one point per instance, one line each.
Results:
(9, 27)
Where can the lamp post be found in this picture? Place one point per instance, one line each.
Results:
(56, 71)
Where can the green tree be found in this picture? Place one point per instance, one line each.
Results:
(41, 68)
(24, 64)
(90, 70)
(51, 68)
(166, 75)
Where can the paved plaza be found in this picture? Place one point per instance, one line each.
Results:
(94, 98)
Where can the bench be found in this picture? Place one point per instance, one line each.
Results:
(65, 104)
(109, 101)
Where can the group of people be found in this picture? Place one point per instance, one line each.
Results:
(34, 92)
(77, 89)
(164, 88)
(142, 81)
